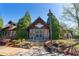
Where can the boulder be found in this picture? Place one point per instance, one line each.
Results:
(26, 46)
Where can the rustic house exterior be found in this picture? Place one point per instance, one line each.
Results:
(8, 32)
(38, 30)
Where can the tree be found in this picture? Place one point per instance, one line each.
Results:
(71, 12)
(53, 25)
(1, 22)
(22, 26)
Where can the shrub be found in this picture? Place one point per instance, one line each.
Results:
(65, 42)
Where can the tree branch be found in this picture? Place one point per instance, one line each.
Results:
(69, 12)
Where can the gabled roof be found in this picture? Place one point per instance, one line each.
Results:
(38, 20)
(10, 22)
(10, 26)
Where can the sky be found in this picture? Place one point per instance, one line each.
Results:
(15, 11)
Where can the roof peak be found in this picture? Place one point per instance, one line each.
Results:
(39, 17)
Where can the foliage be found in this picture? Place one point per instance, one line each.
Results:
(1, 22)
(22, 26)
(77, 47)
(15, 42)
(71, 13)
(20, 43)
(66, 42)
(76, 32)
(54, 26)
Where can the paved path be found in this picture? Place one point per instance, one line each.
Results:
(10, 51)
(33, 51)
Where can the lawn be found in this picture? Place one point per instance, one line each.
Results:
(67, 42)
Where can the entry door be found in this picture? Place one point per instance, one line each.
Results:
(39, 37)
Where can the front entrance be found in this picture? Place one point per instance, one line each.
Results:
(39, 37)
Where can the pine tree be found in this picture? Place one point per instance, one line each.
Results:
(53, 25)
(22, 26)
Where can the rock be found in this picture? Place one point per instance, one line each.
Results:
(39, 52)
(26, 46)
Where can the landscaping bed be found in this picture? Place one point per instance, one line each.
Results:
(66, 43)
(68, 47)
(18, 43)
(27, 50)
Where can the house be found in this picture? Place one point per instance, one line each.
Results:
(8, 32)
(39, 30)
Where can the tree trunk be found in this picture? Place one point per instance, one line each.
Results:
(78, 23)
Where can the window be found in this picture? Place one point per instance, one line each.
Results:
(39, 25)
(31, 37)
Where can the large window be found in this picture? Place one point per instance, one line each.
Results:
(39, 34)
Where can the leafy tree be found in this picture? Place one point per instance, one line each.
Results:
(71, 12)
(76, 32)
(22, 26)
(54, 26)
(1, 22)
(1, 25)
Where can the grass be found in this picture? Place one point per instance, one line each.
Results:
(77, 47)
(67, 42)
